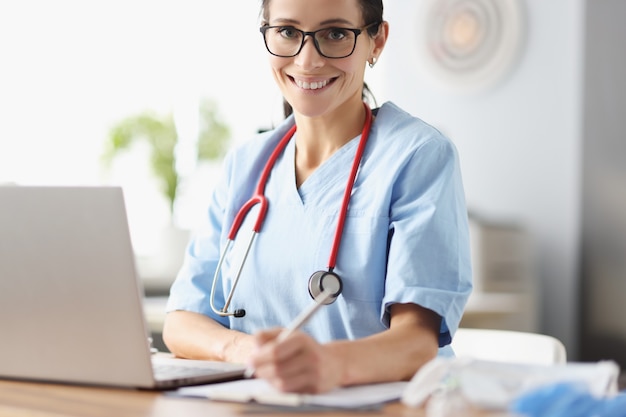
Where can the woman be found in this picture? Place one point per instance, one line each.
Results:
(402, 259)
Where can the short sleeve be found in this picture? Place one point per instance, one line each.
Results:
(429, 260)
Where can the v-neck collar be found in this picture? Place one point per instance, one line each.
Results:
(335, 169)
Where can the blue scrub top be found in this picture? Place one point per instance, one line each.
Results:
(405, 239)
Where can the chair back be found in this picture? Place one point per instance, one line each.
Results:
(509, 346)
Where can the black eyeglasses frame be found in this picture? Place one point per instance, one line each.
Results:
(356, 31)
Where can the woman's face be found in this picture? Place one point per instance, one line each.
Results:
(312, 84)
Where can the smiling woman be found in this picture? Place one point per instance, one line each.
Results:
(398, 273)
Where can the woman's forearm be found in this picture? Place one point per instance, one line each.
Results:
(195, 336)
(395, 354)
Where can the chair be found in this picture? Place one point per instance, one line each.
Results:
(509, 346)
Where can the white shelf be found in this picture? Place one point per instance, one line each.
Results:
(495, 303)
(507, 311)
(154, 310)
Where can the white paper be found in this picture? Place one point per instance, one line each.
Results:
(258, 390)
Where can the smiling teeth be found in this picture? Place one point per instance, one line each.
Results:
(311, 86)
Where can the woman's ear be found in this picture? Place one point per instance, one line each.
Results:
(380, 39)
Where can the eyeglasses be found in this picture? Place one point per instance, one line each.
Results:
(334, 42)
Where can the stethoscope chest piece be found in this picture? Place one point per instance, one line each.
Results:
(325, 280)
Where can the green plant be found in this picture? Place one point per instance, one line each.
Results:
(159, 131)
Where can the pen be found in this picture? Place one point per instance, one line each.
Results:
(299, 321)
(305, 315)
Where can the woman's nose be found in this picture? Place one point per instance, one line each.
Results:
(309, 56)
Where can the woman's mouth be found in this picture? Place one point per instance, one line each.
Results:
(312, 85)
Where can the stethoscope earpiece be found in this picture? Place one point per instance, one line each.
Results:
(325, 280)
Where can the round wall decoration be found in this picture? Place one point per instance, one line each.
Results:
(469, 44)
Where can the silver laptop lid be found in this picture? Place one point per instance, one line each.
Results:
(70, 300)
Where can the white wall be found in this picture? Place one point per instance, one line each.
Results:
(519, 141)
(70, 69)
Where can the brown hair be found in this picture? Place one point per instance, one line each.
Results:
(372, 11)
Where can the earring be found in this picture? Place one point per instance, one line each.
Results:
(372, 62)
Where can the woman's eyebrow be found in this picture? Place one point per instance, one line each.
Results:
(288, 21)
(284, 21)
(335, 22)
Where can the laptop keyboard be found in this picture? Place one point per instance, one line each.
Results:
(168, 371)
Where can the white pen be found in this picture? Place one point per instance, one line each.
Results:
(299, 321)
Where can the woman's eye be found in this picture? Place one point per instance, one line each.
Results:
(336, 34)
(288, 32)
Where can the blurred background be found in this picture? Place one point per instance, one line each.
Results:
(532, 93)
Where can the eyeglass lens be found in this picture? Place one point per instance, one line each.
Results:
(287, 41)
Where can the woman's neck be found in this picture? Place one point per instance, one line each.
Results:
(318, 138)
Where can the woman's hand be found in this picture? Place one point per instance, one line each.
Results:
(296, 364)
(301, 364)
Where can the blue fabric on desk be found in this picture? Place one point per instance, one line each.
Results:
(568, 400)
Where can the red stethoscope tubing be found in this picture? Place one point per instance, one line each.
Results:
(259, 198)
(348, 192)
(259, 194)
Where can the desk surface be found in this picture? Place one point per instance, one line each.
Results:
(22, 399)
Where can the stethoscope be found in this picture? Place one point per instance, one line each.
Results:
(320, 281)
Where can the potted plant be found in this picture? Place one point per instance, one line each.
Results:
(160, 132)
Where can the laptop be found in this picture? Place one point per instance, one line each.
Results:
(70, 298)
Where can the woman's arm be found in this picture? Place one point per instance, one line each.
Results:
(300, 364)
(196, 336)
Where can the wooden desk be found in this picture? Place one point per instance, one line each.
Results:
(26, 399)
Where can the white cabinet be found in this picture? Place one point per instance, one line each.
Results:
(504, 295)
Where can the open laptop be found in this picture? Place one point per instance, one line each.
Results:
(70, 299)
